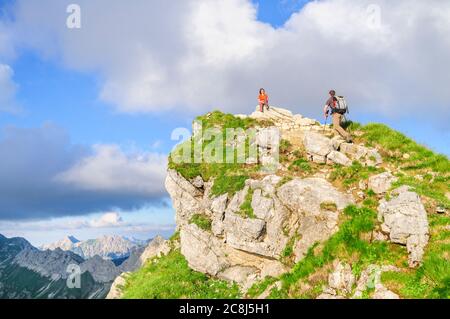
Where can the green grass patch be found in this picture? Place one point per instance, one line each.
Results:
(284, 180)
(170, 277)
(258, 288)
(287, 254)
(300, 165)
(227, 170)
(246, 209)
(396, 142)
(432, 279)
(285, 146)
(202, 221)
(353, 174)
(228, 184)
(435, 189)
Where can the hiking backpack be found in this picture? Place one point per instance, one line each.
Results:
(340, 105)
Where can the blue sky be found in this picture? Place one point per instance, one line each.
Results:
(64, 90)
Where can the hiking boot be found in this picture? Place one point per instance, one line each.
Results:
(349, 139)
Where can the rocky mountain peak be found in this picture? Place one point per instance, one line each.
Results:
(107, 246)
(245, 224)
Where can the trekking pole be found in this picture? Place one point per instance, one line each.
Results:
(325, 126)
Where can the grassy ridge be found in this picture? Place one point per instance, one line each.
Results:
(171, 278)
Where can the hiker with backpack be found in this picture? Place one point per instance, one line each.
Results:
(337, 106)
(263, 100)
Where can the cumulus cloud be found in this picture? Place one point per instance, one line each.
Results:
(112, 219)
(109, 169)
(8, 89)
(198, 54)
(43, 174)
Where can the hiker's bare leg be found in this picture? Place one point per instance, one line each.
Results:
(337, 126)
(261, 107)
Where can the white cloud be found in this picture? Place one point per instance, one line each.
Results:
(107, 221)
(8, 90)
(43, 174)
(197, 54)
(112, 219)
(109, 169)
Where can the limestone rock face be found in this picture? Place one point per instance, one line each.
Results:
(381, 183)
(157, 247)
(248, 248)
(116, 288)
(273, 114)
(203, 251)
(308, 194)
(185, 197)
(251, 228)
(405, 220)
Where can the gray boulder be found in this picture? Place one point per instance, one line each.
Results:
(339, 158)
(381, 183)
(317, 146)
(405, 220)
(246, 228)
(203, 251)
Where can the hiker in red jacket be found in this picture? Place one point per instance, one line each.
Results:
(331, 107)
(263, 100)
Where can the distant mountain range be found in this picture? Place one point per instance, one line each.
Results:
(107, 247)
(29, 273)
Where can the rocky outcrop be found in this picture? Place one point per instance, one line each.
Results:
(313, 136)
(116, 288)
(203, 251)
(324, 150)
(245, 248)
(156, 248)
(318, 146)
(315, 224)
(277, 213)
(404, 218)
(186, 197)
